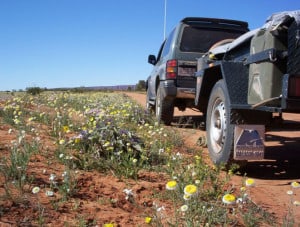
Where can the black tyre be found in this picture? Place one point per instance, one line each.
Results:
(218, 128)
(164, 108)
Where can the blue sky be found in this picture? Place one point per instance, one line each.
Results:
(71, 43)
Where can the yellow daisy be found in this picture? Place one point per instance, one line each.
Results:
(296, 203)
(250, 182)
(243, 189)
(295, 184)
(171, 185)
(190, 189)
(186, 197)
(148, 220)
(108, 225)
(62, 141)
(66, 129)
(228, 199)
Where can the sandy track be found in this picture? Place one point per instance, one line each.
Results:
(274, 174)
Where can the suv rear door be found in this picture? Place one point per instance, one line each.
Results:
(196, 38)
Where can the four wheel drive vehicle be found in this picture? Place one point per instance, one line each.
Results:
(172, 82)
(241, 84)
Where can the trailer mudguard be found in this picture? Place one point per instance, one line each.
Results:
(235, 75)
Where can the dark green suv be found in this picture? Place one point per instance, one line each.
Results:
(172, 82)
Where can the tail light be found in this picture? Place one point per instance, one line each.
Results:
(294, 86)
(171, 69)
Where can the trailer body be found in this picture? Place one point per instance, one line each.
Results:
(242, 85)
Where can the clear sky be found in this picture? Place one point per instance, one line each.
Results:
(71, 43)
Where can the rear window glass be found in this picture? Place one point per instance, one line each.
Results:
(195, 39)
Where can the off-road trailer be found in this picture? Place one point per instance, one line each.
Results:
(242, 83)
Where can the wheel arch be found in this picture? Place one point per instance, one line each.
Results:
(235, 76)
(210, 77)
(157, 82)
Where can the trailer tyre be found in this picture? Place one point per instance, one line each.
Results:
(218, 128)
(164, 108)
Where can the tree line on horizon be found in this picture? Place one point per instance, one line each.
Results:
(140, 86)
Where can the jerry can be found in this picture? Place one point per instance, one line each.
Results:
(265, 77)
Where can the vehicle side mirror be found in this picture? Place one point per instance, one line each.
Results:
(152, 59)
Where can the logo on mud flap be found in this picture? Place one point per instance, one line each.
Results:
(249, 142)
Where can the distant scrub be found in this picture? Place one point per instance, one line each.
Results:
(34, 90)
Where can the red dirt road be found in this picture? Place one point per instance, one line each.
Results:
(274, 174)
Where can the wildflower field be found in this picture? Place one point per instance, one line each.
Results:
(99, 159)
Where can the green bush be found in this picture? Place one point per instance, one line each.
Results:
(34, 90)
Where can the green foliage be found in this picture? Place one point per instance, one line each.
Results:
(14, 168)
(111, 140)
(141, 85)
(34, 90)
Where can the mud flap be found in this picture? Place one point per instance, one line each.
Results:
(249, 142)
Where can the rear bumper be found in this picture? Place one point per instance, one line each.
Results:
(187, 93)
(169, 90)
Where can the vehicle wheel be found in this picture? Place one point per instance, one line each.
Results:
(164, 108)
(218, 128)
(149, 108)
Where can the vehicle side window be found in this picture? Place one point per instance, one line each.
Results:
(160, 51)
(167, 46)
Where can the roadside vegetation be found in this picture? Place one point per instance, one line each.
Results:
(60, 137)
